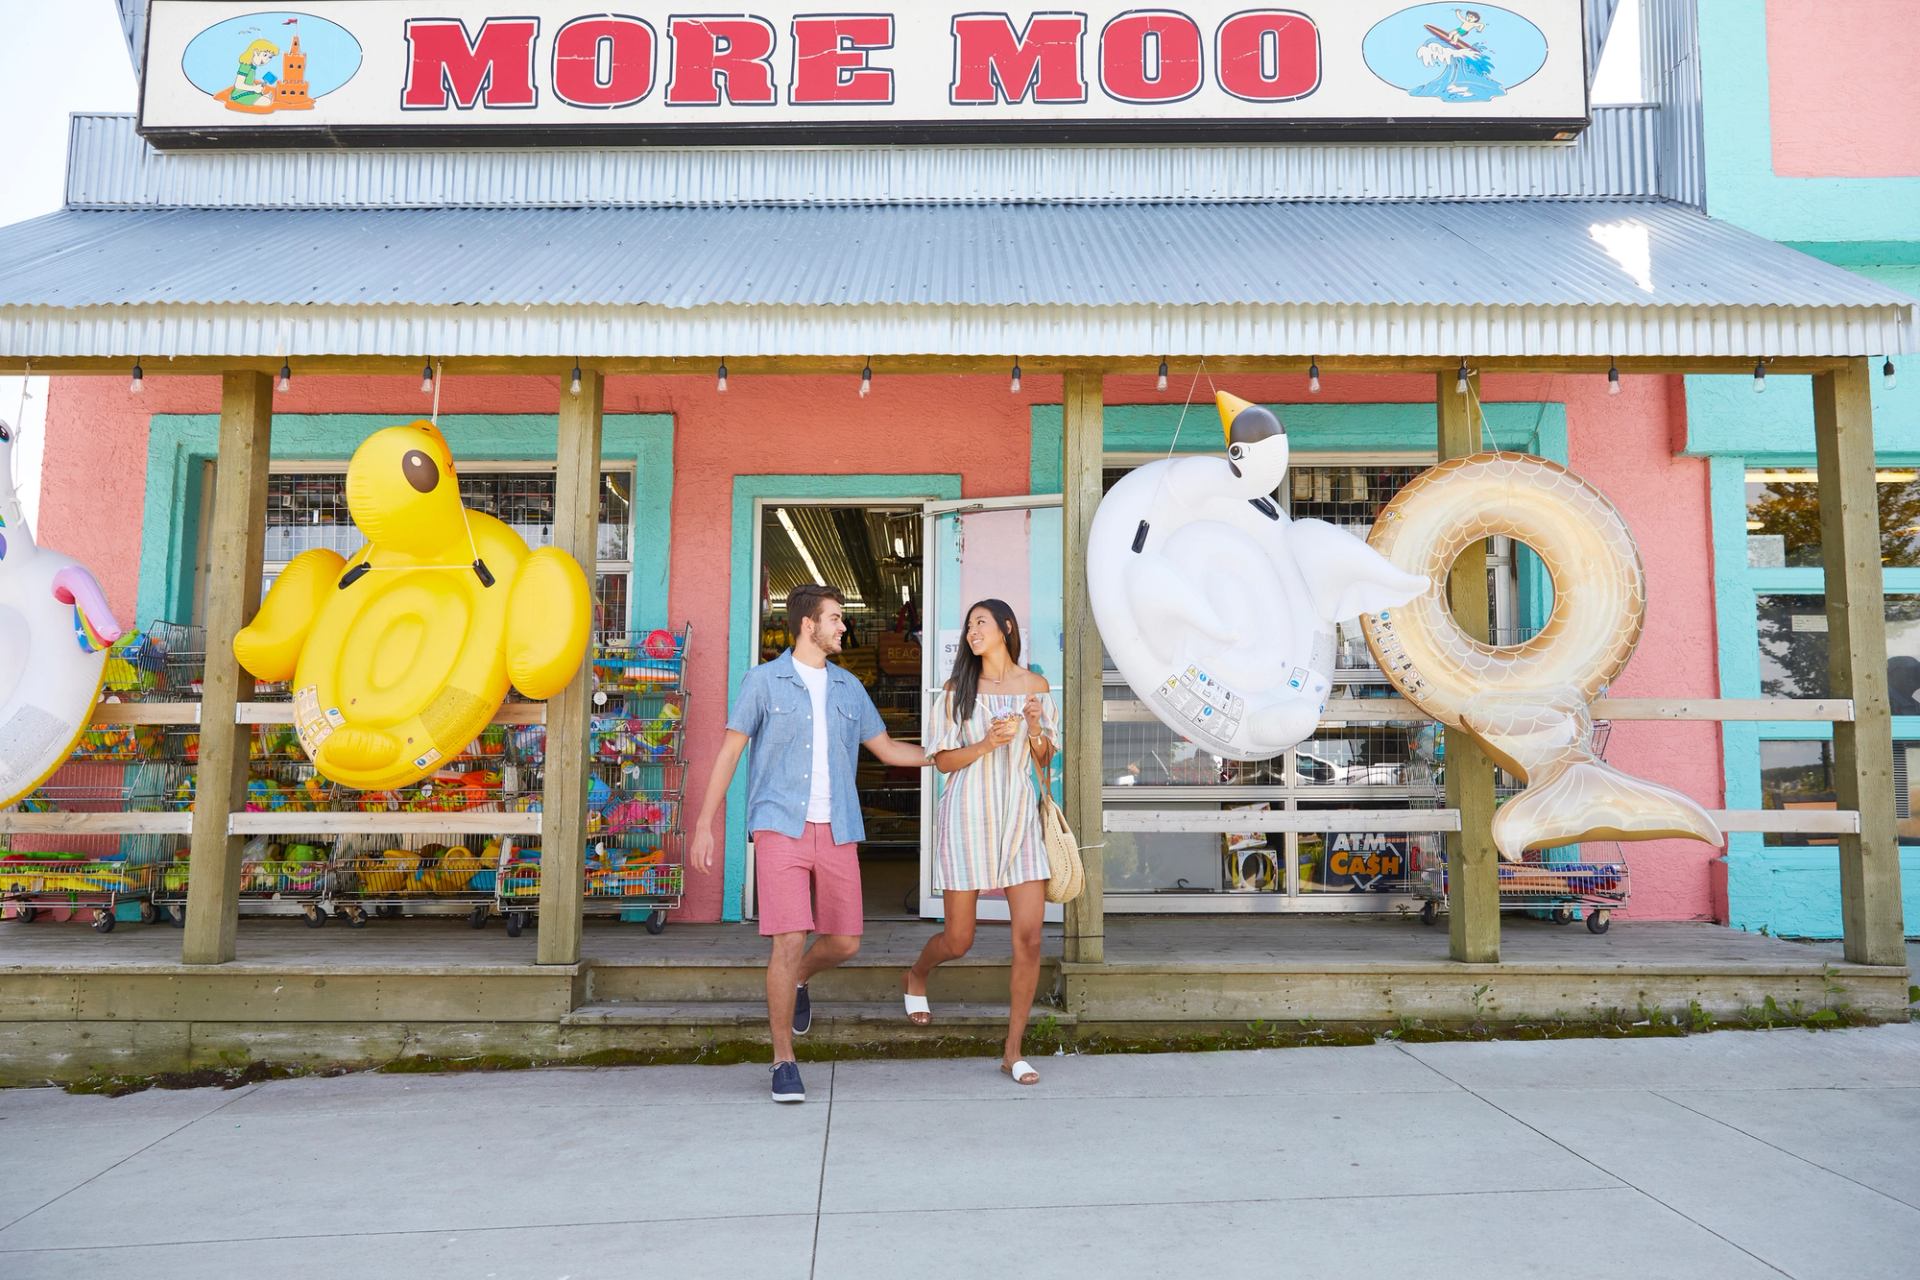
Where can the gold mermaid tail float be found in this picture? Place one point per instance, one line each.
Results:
(1528, 704)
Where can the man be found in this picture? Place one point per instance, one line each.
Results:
(806, 721)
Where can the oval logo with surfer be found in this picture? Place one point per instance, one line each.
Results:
(1455, 53)
(273, 61)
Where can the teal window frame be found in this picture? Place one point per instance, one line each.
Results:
(1737, 589)
(178, 445)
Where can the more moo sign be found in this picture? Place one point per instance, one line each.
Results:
(551, 72)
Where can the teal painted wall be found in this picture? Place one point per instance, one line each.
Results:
(1741, 184)
(1868, 226)
(177, 445)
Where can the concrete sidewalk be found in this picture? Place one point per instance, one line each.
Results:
(1728, 1155)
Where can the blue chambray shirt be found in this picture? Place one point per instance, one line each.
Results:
(775, 711)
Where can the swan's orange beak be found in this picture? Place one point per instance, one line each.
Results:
(1230, 407)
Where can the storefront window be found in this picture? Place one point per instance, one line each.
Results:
(1800, 775)
(1793, 648)
(308, 509)
(1783, 518)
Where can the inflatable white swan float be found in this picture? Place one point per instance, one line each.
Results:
(1217, 608)
(55, 628)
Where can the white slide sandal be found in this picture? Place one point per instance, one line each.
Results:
(1020, 1072)
(917, 1005)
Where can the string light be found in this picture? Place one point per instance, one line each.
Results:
(1759, 376)
(1887, 375)
(866, 379)
(1313, 377)
(1613, 378)
(138, 383)
(574, 385)
(1160, 383)
(426, 378)
(1460, 383)
(286, 377)
(1014, 385)
(720, 377)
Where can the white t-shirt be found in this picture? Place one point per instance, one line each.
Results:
(820, 799)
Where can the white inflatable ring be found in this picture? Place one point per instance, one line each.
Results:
(1528, 702)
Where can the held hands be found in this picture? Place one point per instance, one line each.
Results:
(1002, 731)
(1034, 710)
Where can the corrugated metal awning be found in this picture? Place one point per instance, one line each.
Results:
(1514, 278)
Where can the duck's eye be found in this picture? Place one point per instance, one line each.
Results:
(420, 471)
(1237, 452)
(6, 436)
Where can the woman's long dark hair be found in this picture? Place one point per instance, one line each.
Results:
(965, 681)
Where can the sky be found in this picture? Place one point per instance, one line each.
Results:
(37, 93)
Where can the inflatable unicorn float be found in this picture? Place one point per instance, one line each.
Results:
(55, 628)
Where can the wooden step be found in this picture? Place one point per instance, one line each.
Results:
(838, 1020)
(874, 983)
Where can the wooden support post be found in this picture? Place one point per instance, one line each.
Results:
(1857, 664)
(237, 544)
(563, 806)
(1081, 680)
(1473, 884)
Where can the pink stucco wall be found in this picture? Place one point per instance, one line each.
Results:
(95, 491)
(1840, 85)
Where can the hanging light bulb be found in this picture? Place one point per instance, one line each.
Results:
(1759, 376)
(1014, 385)
(286, 377)
(426, 379)
(1313, 377)
(1460, 383)
(1613, 378)
(138, 382)
(866, 379)
(574, 385)
(1160, 383)
(720, 377)
(1886, 374)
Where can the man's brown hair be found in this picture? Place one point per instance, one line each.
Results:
(804, 602)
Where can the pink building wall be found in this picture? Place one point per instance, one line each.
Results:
(94, 495)
(1841, 96)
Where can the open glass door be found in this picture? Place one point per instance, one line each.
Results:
(1009, 548)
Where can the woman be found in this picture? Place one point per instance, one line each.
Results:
(992, 726)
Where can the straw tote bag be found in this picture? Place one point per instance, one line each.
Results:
(1066, 876)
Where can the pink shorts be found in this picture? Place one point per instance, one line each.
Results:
(808, 885)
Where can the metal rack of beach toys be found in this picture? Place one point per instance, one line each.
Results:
(637, 778)
(108, 835)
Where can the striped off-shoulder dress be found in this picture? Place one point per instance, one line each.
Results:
(988, 823)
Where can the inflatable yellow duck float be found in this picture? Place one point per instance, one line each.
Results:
(400, 656)
(55, 628)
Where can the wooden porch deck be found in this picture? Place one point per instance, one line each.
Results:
(74, 1003)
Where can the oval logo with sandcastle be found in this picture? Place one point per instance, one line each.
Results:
(273, 61)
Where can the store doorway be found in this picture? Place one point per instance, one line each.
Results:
(873, 553)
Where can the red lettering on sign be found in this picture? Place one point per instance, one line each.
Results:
(1151, 55)
(992, 63)
(493, 69)
(1268, 55)
(830, 58)
(603, 61)
(707, 50)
